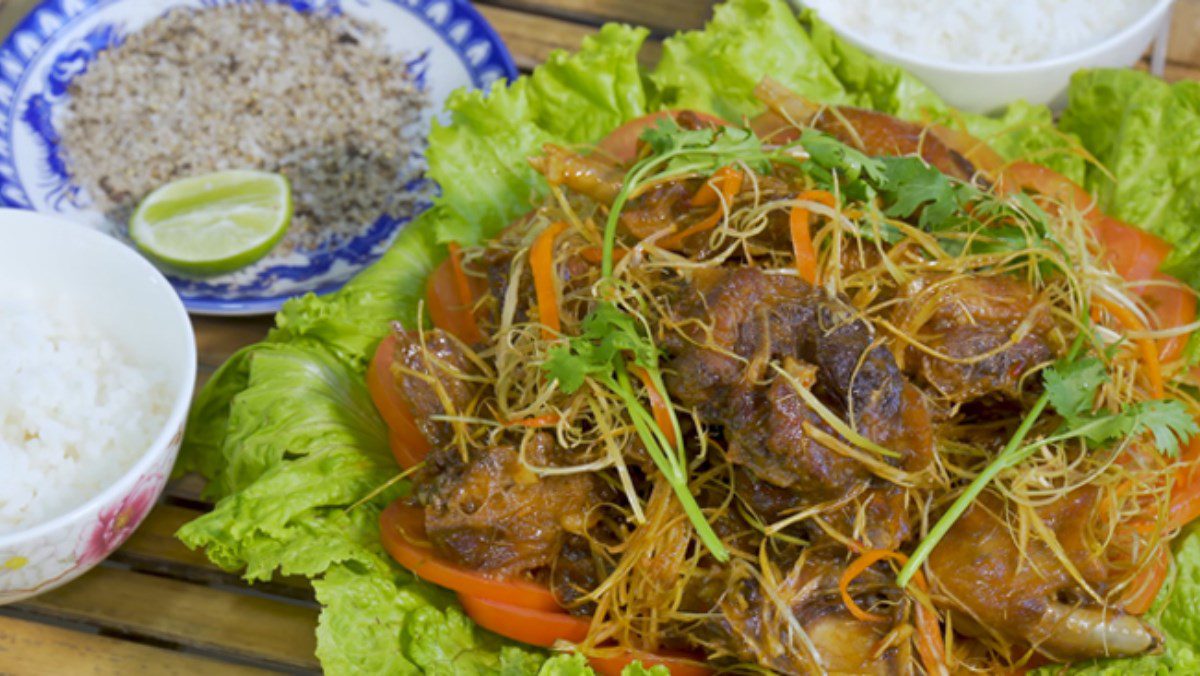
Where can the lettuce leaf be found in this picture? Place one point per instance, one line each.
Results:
(869, 82)
(1146, 135)
(478, 159)
(716, 70)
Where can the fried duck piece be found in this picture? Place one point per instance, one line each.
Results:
(987, 333)
(496, 515)
(876, 134)
(801, 626)
(1027, 597)
(488, 511)
(428, 376)
(746, 319)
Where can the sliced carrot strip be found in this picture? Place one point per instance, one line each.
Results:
(595, 255)
(537, 421)
(730, 186)
(930, 644)
(1148, 346)
(707, 194)
(802, 244)
(856, 568)
(541, 262)
(662, 414)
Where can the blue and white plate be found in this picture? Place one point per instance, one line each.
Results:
(450, 46)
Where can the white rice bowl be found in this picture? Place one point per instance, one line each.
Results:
(983, 31)
(77, 408)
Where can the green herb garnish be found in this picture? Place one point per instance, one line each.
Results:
(1071, 386)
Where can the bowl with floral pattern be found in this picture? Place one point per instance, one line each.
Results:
(135, 306)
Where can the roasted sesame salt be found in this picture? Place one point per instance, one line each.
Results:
(263, 86)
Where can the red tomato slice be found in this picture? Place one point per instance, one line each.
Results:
(403, 529)
(621, 143)
(1185, 494)
(403, 450)
(403, 431)
(1134, 253)
(527, 625)
(450, 298)
(1173, 306)
(679, 664)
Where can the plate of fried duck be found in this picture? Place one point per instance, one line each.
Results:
(830, 389)
(814, 390)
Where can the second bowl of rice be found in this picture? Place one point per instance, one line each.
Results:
(98, 362)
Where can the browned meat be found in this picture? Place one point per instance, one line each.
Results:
(416, 367)
(973, 321)
(874, 133)
(751, 317)
(575, 573)
(588, 175)
(879, 134)
(496, 515)
(765, 430)
(751, 625)
(1028, 597)
(658, 208)
(747, 318)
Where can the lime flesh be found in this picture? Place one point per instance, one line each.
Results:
(213, 223)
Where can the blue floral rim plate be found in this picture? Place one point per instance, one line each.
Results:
(449, 46)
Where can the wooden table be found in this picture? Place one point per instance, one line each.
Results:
(156, 607)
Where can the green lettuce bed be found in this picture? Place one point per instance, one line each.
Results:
(287, 435)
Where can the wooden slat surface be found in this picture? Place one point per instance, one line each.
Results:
(35, 648)
(158, 607)
(661, 16)
(154, 548)
(197, 616)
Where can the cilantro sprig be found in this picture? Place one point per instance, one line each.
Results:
(677, 152)
(1071, 386)
(908, 187)
(610, 342)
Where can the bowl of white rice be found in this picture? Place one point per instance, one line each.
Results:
(980, 55)
(97, 366)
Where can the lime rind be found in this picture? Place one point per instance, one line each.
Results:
(213, 223)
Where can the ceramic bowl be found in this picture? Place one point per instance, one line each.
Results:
(131, 301)
(987, 88)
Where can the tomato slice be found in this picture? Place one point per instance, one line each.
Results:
(450, 298)
(1146, 586)
(527, 625)
(1185, 494)
(1173, 306)
(409, 445)
(403, 451)
(679, 664)
(621, 144)
(403, 529)
(1134, 253)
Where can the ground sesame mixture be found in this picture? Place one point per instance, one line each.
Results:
(263, 86)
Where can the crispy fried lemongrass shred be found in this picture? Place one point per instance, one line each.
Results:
(898, 276)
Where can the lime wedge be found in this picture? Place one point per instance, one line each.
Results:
(213, 223)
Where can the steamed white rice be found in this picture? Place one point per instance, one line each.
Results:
(983, 31)
(76, 410)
